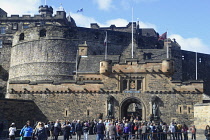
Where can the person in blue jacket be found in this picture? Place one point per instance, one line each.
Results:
(27, 131)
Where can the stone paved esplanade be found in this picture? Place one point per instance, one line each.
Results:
(51, 65)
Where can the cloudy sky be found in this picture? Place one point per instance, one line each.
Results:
(188, 21)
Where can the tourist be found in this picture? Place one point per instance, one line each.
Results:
(100, 128)
(40, 132)
(207, 132)
(144, 131)
(92, 124)
(112, 131)
(47, 127)
(51, 130)
(119, 129)
(193, 132)
(66, 130)
(179, 131)
(126, 131)
(12, 131)
(26, 131)
(107, 122)
(185, 131)
(57, 129)
(71, 132)
(73, 126)
(131, 125)
(85, 131)
(78, 130)
(165, 131)
(172, 131)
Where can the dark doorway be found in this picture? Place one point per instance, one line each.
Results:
(132, 108)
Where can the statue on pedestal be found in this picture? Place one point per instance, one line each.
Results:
(155, 109)
(110, 107)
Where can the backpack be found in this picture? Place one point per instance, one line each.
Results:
(135, 127)
(52, 128)
(159, 128)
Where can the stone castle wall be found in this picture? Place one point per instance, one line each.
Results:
(19, 111)
(201, 115)
(178, 107)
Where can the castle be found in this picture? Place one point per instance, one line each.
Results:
(66, 72)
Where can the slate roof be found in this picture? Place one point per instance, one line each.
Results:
(91, 63)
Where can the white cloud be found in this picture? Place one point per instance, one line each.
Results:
(191, 44)
(20, 7)
(104, 4)
(147, 25)
(82, 21)
(117, 22)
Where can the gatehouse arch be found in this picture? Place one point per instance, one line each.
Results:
(139, 108)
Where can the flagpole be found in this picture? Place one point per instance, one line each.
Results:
(45, 2)
(132, 32)
(76, 64)
(196, 65)
(167, 51)
(106, 47)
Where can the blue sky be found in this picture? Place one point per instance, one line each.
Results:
(188, 21)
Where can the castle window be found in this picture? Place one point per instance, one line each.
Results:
(37, 24)
(25, 26)
(180, 109)
(125, 84)
(199, 60)
(138, 84)
(88, 112)
(147, 55)
(21, 37)
(189, 110)
(15, 26)
(2, 30)
(1, 44)
(66, 112)
(42, 33)
(182, 57)
(96, 35)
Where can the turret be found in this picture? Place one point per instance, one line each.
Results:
(83, 49)
(45, 10)
(105, 67)
(3, 13)
(168, 66)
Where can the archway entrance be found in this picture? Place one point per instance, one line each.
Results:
(131, 108)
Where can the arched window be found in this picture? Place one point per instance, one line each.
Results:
(21, 37)
(42, 33)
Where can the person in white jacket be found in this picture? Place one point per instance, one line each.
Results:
(12, 131)
(172, 131)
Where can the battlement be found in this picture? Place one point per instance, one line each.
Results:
(114, 28)
(46, 12)
(58, 15)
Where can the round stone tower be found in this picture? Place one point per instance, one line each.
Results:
(42, 53)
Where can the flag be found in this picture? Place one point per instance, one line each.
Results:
(105, 40)
(80, 10)
(163, 36)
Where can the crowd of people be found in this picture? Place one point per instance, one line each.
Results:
(107, 129)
